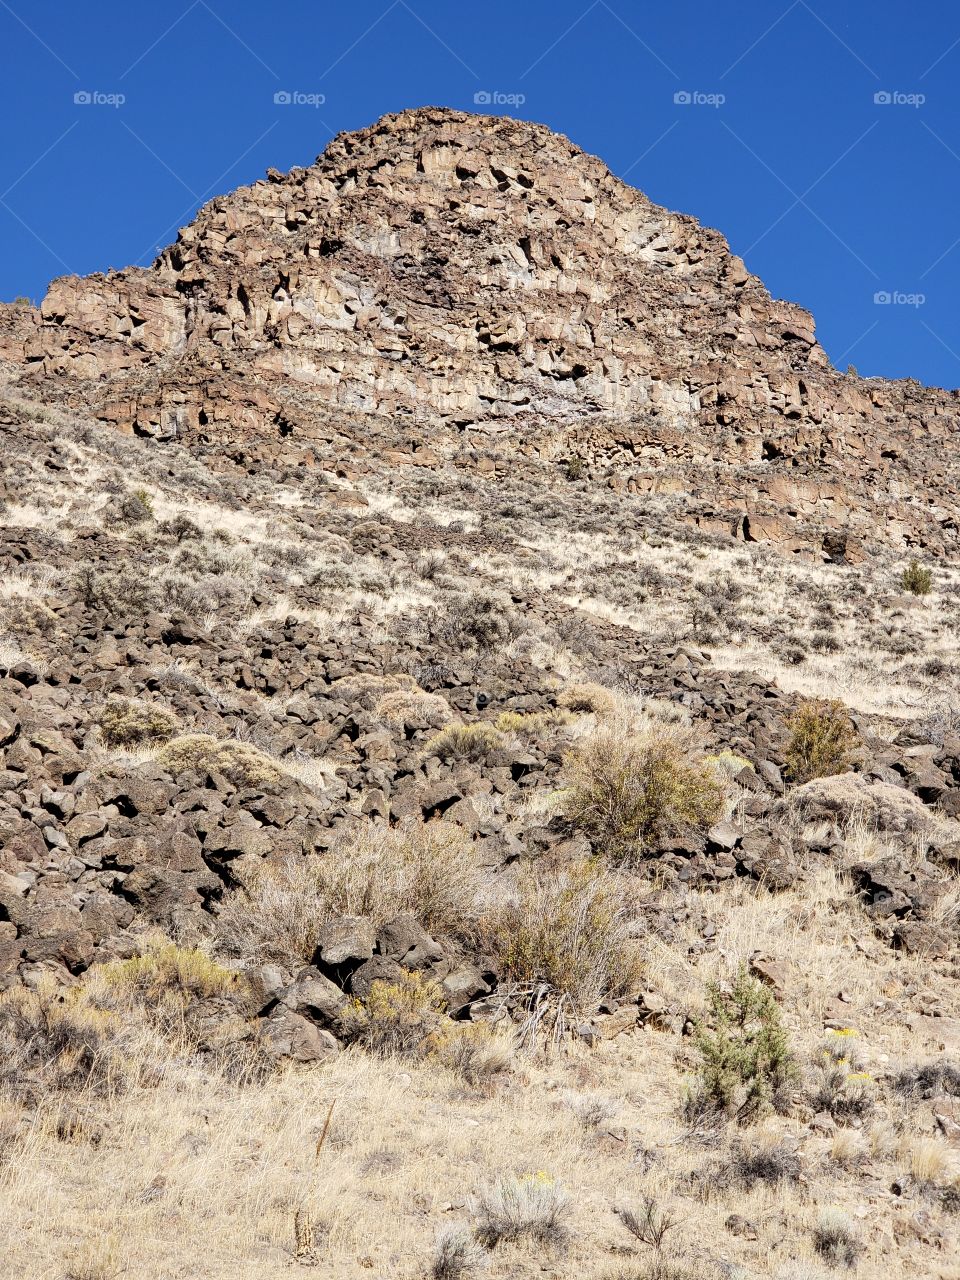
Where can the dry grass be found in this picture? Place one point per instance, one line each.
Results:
(145, 1167)
(426, 869)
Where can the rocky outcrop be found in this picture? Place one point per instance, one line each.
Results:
(453, 275)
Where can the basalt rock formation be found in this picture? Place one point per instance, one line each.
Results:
(444, 275)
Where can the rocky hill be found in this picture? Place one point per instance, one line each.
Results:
(450, 275)
(469, 666)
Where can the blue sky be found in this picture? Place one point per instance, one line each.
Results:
(821, 136)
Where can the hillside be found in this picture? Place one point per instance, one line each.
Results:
(451, 617)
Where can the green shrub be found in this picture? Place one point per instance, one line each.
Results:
(746, 1061)
(126, 723)
(917, 580)
(822, 740)
(631, 793)
(164, 968)
(575, 467)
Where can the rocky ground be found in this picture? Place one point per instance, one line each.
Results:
(318, 948)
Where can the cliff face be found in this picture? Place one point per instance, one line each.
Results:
(441, 273)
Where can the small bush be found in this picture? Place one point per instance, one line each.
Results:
(769, 1162)
(121, 592)
(917, 580)
(475, 1051)
(844, 1094)
(532, 1207)
(170, 988)
(456, 1254)
(931, 1160)
(165, 968)
(135, 508)
(239, 762)
(929, 1080)
(745, 1053)
(592, 1110)
(408, 707)
(465, 742)
(574, 467)
(126, 723)
(52, 1040)
(569, 929)
(630, 794)
(367, 690)
(649, 1224)
(401, 1017)
(822, 740)
(835, 1238)
(529, 724)
(587, 698)
(472, 622)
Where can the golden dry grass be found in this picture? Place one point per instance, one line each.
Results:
(197, 1175)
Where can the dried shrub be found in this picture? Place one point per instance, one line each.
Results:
(472, 622)
(406, 708)
(533, 1207)
(650, 1224)
(428, 870)
(122, 592)
(840, 1087)
(367, 690)
(929, 1080)
(746, 1060)
(402, 1017)
(822, 740)
(569, 929)
(631, 793)
(475, 1051)
(465, 742)
(53, 1040)
(587, 698)
(835, 1238)
(128, 723)
(931, 1161)
(134, 508)
(767, 1161)
(239, 762)
(456, 1254)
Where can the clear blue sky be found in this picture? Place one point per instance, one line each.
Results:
(830, 196)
